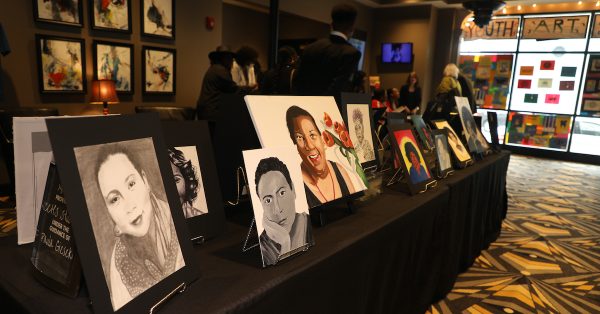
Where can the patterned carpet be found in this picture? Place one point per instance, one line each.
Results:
(547, 259)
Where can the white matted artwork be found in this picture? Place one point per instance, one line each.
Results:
(188, 179)
(330, 166)
(443, 154)
(475, 139)
(359, 127)
(279, 201)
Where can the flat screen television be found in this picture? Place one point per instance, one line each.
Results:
(360, 45)
(397, 53)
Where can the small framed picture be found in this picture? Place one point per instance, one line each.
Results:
(158, 18)
(442, 152)
(594, 64)
(158, 74)
(357, 110)
(111, 15)
(458, 147)
(131, 235)
(61, 64)
(590, 86)
(58, 12)
(114, 61)
(591, 105)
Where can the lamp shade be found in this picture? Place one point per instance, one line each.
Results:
(104, 91)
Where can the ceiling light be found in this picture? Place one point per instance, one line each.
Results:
(504, 10)
(580, 2)
(519, 7)
(534, 5)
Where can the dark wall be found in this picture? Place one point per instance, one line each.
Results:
(243, 26)
(193, 43)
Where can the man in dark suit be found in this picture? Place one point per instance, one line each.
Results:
(327, 66)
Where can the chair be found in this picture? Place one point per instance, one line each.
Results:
(169, 113)
(6, 136)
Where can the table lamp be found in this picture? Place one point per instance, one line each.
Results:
(104, 92)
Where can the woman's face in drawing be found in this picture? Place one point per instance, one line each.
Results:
(126, 195)
(309, 144)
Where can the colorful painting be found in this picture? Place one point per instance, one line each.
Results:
(566, 85)
(490, 76)
(590, 86)
(538, 130)
(159, 70)
(114, 61)
(313, 127)
(552, 99)
(526, 70)
(412, 157)
(545, 83)
(547, 65)
(531, 98)
(61, 63)
(111, 15)
(158, 18)
(590, 99)
(568, 71)
(524, 84)
(591, 105)
(67, 12)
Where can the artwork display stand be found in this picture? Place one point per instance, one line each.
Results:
(396, 177)
(240, 173)
(245, 247)
(440, 176)
(179, 289)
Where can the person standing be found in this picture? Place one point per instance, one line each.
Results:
(245, 70)
(327, 66)
(410, 94)
(217, 80)
(278, 81)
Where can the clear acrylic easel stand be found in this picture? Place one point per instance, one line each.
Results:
(240, 175)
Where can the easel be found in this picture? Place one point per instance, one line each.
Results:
(179, 289)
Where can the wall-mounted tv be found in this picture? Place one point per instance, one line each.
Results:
(396, 53)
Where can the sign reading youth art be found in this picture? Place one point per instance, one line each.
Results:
(556, 27)
(497, 29)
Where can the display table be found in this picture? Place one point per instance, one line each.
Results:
(396, 254)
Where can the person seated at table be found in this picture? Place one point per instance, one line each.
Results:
(146, 248)
(324, 180)
(285, 229)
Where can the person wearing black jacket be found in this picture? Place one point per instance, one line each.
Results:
(327, 66)
(278, 81)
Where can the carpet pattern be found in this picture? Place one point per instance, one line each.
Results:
(547, 259)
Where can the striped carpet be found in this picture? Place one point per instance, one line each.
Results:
(547, 259)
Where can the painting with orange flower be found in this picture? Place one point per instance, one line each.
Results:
(415, 168)
(312, 126)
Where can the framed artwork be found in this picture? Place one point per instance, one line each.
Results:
(545, 83)
(122, 197)
(114, 61)
(475, 140)
(526, 70)
(568, 71)
(503, 68)
(594, 64)
(279, 202)
(59, 12)
(330, 165)
(423, 131)
(61, 64)
(357, 116)
(159, 74)
(590, 85)
(531, 98)
(547, 65)
(158, 18)
(552, 99)
(195, 175)
(591, 105)
(442, 152)
(524, 84)
(111, 15)
(458, 148)
(417, 174)
(566, 85)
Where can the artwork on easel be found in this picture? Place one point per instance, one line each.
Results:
(442, 152)
(493, 125)
(126, 214)
(417, 173)
(330, 166)
(458, 148)
(195, 175)
(279, 201)
(357, 110)
(423, 131)
(475, 140)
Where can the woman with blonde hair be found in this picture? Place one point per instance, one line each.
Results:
(449, 82)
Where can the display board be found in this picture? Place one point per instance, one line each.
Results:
(490, 76)
(539, 130)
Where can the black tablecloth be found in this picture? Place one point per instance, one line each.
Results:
(396, 254)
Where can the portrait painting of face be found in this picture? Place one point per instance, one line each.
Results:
(279, 202)
(443, 155)
(131, 219)
(159, 70)
(188, 179)
(475, 140)
(456, 144)
(412, 156)
(114, 62)
(359, 127)
(423, 131)
(330, 165)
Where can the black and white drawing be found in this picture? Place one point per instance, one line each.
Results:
(359, 126)
(188, 178)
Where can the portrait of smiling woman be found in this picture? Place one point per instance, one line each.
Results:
(131, 220)
(324, 180)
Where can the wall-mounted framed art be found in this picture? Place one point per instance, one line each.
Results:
(114, 61)
(58, 12)
(125, 210)
(61, 64)
(158, 18)
(158, 72)
(111, 15)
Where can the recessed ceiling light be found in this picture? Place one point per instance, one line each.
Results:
(534, 5)
(519, 7)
